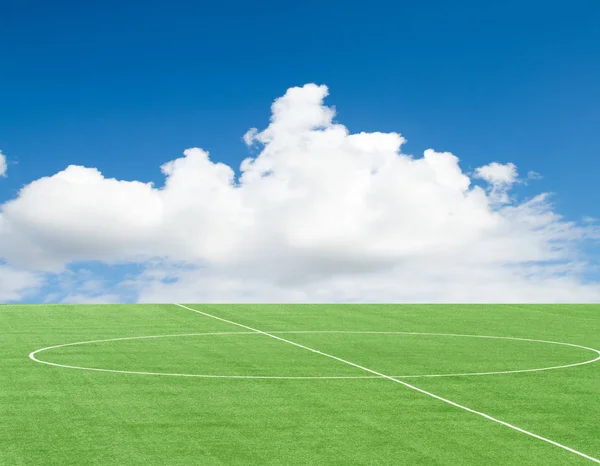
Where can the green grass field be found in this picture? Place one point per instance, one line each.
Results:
(298, 396)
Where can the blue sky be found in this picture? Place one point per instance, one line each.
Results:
(127, 86)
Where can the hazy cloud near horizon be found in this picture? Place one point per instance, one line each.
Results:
(319, 215)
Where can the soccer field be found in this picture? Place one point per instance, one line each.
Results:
(299, 384)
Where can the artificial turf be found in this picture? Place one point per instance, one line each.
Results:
(60, 416)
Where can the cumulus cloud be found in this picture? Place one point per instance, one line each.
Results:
(3, 166)
(500, 177)
(498, 174)
(319, 214)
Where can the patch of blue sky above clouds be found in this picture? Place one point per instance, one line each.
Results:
(125, 129)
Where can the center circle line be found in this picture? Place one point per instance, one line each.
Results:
(33, 357)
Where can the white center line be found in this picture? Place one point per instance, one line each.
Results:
(433, 395)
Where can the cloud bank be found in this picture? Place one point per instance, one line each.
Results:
(318, 215)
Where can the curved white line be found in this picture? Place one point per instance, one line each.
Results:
(66, 366)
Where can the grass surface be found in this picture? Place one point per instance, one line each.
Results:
(58, 416)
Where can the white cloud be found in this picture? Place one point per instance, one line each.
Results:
(250, 136)
(498, 174)
(3, 166)
(319, 215)
(500, 177)
(15, 284)
(418, 281)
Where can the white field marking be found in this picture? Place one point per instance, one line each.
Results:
(597, 358)
(33, 357)
(406, 384)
